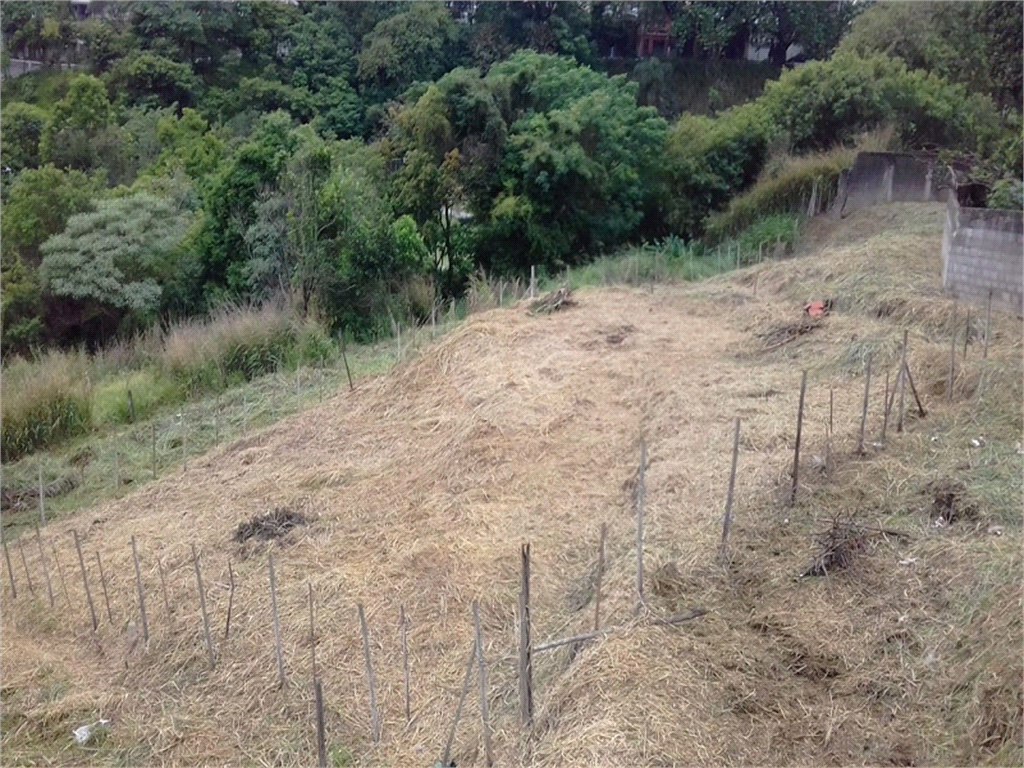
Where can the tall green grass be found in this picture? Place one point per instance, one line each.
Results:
(241, 344)
(784, 188)
(44, 402)
(61, 395)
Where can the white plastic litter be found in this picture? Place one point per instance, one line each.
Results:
(83, 733)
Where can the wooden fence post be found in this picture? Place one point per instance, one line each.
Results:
(163, 590)
(723, 549)
(370, 679)
(42, 510)
(902, 384)
(525, 662)
(321, 736)
(796, 450)
(231, 599)
(885, 407)
(10, 573)
(142, 598)
(24, 562)
(60, 572)
(484, 716)
(277, 623)
(106, 594)
(641, 490)
(85, 581)
(446, 757)
(202, 606)
(46, 570)
(864, 409)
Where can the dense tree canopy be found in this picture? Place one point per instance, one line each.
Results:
(365, 158)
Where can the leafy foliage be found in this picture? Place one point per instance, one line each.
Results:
(111, 261)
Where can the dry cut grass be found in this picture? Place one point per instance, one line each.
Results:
(418, 489)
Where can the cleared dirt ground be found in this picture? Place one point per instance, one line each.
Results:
(421, 486)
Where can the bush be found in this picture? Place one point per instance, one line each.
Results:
(825, 103)
(707, 161)
(782, 191)
(43, 403)
(240, 344)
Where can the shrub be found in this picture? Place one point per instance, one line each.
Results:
(782, 191)
(43, 403)
(239, 344)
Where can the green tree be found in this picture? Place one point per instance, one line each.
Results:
(976, 44)
(230, 195)
(38, 205)
(578, 163)
(826, 103)
(110, 263)
(151, 80)
(77, 120)
(21, 126)
(417, 44)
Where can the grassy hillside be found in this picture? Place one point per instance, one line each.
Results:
(419, 487)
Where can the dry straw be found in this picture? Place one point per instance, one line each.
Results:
(420, 485)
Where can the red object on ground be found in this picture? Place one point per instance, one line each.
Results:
(816, 309)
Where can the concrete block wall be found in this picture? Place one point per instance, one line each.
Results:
(887, 177)
(983, 253)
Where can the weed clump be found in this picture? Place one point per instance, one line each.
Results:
(43, 403)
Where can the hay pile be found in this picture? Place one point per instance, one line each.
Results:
(420, 486)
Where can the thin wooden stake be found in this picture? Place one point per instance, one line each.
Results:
(902, 386)
(967, 334)
(312, 632)
(404, 624)
(245, 416)
(24, 562)
(163, 589)
(142, 597)
(10, 573)
(344, 357)
(85, 581)
(799, 428)
(277, 623)
(482, 675)
(42, 510)
(640, 493)
(864, 409)
(913, 390)
(525, 660)
(828, 434)
(370, 679)
(60, 572)
(202, 605)
(231, 600)
(885, 407)
(446, 757)
(154, 450)
(600, 576)
(117, 471)
(723, 549)
(533, 280)
(988, 324)
(46, 569)
(106, 594)
(321, 736)
(952, 358)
